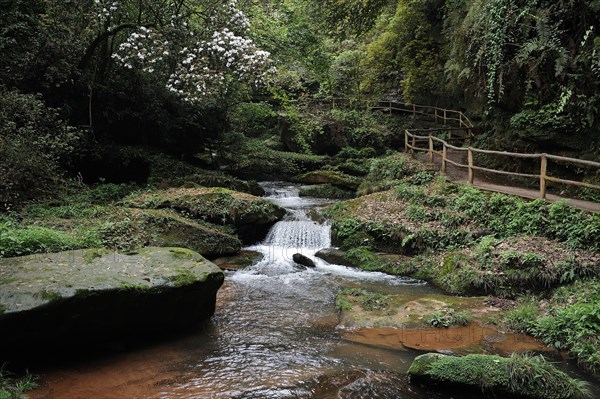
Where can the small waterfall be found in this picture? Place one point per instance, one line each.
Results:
(299, 233)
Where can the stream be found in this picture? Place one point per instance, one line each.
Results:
(274, 334)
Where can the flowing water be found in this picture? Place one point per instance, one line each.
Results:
(273, 335)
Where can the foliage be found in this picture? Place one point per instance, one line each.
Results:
(365, 259)
(34, 139)
(508, 215)
(445, 318)
(253, 119)
(12, 387)
(19, 241)
(523, 316)
(393, 167)
(575, 328)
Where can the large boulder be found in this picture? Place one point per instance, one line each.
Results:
(252, 216)
(215, 205)
(335, 257)
(167, 229)
(66, 301)
(518, 376)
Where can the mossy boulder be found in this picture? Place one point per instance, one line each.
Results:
(325, 191)
(518, 376)
(75, 300)
(250, 215)
(167, 229)
(242, 260)
(335, 256)
(334, 178)
(214, 205)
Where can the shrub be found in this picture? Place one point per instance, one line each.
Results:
(445, 318)
(394, 167)
(33, 141)
(522, 318)
(574, 328)
(253, 119)
(508, 216)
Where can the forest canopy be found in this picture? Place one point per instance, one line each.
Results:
(172, 74)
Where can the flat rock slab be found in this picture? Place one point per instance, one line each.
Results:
(86, 296)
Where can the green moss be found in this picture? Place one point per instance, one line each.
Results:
(50, 296)
(529, 376)
(90, 255)
(334, 178)
(2, 309)
(183, 277)
(325, 191)
(135, 287)
(183, 253)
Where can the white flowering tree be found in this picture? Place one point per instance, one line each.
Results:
(200, 48)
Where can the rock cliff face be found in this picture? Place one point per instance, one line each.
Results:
(79, 299)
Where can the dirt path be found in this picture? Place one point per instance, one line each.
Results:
(460, 175)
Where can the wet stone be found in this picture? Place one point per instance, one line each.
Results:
(77, 298)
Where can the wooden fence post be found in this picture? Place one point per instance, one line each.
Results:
(470, 157)
(414, 112)
(436, 115)
(405, 141)
(412, 150)
(430, 149)
(543, 174)
(444, 157)
(460, 119)
(445, 117)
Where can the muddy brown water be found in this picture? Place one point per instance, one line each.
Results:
(274, 335)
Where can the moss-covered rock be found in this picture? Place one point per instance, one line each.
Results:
(167, 229)
(239, 261)
(219, 179)
(335, 256)
(325, 191)
(65, 300)
(518, 376)
(334, 178)
(214, 205)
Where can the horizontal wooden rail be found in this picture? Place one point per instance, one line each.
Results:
(411, 138)
(436, 113)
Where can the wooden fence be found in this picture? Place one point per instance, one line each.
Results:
(436, 114)
(463, 130)
(411, 138)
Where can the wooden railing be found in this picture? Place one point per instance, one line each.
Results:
(411, 138)
(437, 114)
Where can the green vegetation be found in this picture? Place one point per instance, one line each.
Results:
(445, 318)
(17, 241)
(369, 301)
(183, 278)
(325, 191)
(12, 387)
(569, 320)
(521, 375)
